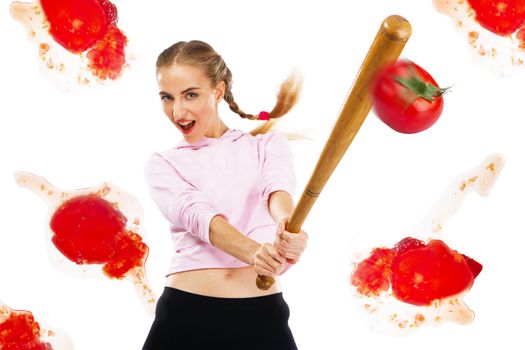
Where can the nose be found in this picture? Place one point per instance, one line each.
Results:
(179, 110)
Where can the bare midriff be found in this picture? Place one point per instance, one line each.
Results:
(220, 282)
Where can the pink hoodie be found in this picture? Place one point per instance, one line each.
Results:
(232, 176)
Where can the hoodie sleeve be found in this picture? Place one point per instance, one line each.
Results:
(277, 165)
(185, 207)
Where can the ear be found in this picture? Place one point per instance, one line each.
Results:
(219, 91)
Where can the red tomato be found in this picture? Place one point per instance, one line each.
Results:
(406, 97)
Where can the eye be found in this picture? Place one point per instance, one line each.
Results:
(165, 98)
(191, 95)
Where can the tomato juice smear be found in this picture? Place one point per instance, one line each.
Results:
(81, 25)
(520, 35)
(502, 17)
(89, 230)
(20, 331)
(419, 273)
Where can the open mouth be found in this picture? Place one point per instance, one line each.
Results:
(186, 126)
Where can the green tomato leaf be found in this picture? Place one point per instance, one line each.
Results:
(421, 88)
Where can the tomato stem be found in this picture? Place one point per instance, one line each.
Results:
(422, 89)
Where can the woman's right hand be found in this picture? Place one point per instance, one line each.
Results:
(268, 262)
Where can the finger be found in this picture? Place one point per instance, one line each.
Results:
(268, 262)
(294, 237)
(292, 253)
(290, 237)
(291, 247)
(280, 249)
(286, 236)
(292, 256)
(281, 269)
(273, 263)
(280, 228)
(274, 254)
(294, 250)
(261, 259)
(265, 268)
(263, 272)
(278, 240)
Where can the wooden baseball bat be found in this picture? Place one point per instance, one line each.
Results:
(387, 46)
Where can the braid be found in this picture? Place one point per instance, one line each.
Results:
(286, 97)
(228, 97)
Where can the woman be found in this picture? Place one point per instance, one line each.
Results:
(227, 195)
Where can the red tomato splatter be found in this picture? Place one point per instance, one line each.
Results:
(520, 35)
(89, 230)
(20, 331)
(408, 243)
(107, 57)
(419, 273)
(110, 11)
(373, 274)
(473, 265)
(502, 17)
(89, 24)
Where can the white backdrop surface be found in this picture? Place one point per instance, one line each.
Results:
(384, 186)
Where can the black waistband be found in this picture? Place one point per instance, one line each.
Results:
(258, 301)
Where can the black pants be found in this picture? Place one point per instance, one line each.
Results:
(187, 321)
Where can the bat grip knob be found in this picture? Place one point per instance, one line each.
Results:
(396, 28)
(264, 282)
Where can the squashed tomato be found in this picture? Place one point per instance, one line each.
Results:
(76, 25)
(502, 17)
(406, 97)
(417, 272)
(90, 230)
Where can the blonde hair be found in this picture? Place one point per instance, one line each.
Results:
(200, 54)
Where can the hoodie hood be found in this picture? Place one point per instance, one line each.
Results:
(229, 136)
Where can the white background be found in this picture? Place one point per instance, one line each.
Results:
(384, 185)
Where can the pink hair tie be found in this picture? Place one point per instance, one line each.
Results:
(264, 116)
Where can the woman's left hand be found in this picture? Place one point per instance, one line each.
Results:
(290, 245)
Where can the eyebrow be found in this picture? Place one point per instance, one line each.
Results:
(182, 93)
(189, 89)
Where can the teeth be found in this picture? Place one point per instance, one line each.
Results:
(187, 125)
